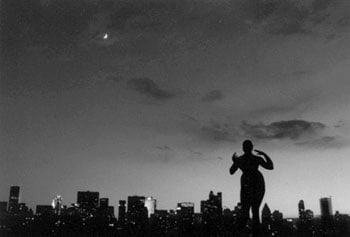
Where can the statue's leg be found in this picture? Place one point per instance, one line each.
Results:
(255, 209)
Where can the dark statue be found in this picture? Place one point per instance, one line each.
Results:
(252, 182)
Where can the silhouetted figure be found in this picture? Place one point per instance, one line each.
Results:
(252, 182)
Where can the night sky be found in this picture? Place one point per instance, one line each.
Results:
(152, 97)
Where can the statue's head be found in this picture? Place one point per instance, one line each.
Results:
(247, 146)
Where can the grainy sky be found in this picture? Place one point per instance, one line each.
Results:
(158, 105)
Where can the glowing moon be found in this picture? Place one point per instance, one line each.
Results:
(105, 36)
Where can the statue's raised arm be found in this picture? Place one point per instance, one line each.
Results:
(267, 163)
(234, 166)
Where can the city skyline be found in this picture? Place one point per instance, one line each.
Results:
(150, 203)
(153, 97)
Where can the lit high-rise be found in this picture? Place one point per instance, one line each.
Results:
(150, 204)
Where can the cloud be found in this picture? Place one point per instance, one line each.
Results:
(163, 148)
(198, 153)
(323, 142)
(218, 131)
(289, 129)
(289, 16)
(213, 96)
(297, 132)
(149, 87)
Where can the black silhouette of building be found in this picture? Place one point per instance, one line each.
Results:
(104, 203)
(213, 204)
(13, 199)
(105, 209)
(309, 215)
(266, 217)
(88, 201)
(185, 209)
(185, 216)
(3, 208)
(211, 210)
(326, 208)
(301, 210)
(277, 217)
(136, 205)
(121, 211)
(137, 212)
(44, 210)
(237, 212)
(326, 211)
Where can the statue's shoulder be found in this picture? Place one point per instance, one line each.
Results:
(240, 159)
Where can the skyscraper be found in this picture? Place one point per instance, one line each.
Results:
(121, 211)
(3, 208)
(13, 199)
(266, 214)
(136, 203)
(104, 203)
(57, 204)
(213, 204)
(88, 201)
(211, 210)
(301, 210)
(185, 208)
(326, 208)
(185, 214)
(150, 204)
(137, 212)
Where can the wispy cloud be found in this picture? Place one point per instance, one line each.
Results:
(148, 87)
(291, 129)
(198, 153)
(323, 142)
(219, 131)
(289, 16)
(163, 148)
(299, 132)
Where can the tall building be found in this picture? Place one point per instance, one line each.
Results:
(150, 204)
(213, 204)
(88, 201)
(104, 203)
(277, 217)
(266, 215)
(137, 212)
(121, 211)
(57, 204)
(309, 215)
(136, 203)
(105, 209)
(301, 210)
(185, 208)
(185, 215)
(3, 208)
(237, 211)
(211, 210)
(13, 199)
(326, 208)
